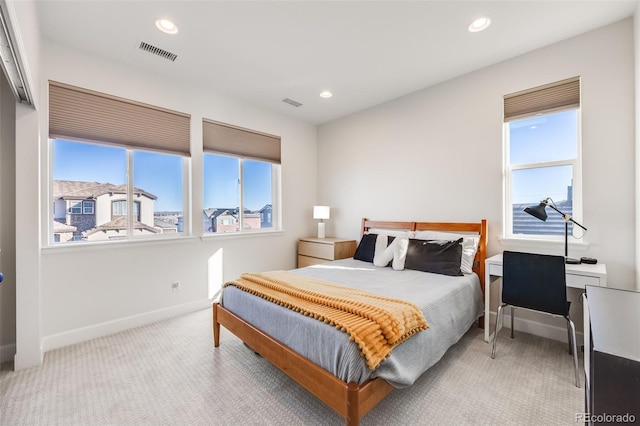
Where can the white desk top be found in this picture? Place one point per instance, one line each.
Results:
(598, 270)
(615, 321)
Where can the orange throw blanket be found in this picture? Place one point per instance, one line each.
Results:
(376, 323)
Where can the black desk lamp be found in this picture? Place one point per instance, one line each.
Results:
(540, 212)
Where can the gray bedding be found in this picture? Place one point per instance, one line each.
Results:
(450, 306)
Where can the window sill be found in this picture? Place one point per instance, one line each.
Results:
(102, 245)
(539, 245)
(234, 235)
(142, 242)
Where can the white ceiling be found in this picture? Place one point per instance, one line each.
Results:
(365, 52)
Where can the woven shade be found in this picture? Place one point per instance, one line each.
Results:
(85, 115)
(562, 95)
(224, 138)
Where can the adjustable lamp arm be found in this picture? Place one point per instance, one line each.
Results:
(566, 217)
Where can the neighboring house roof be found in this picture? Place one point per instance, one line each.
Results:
(266, 207)
(164, 224)
(119, 223)
(214, 212)
(59, 228)
(79, 190)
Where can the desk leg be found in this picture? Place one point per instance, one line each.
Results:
(488, 335)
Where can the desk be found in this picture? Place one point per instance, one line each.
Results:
(578, 276)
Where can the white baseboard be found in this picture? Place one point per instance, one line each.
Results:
(109, 327)
(539, 329)
(7, 352)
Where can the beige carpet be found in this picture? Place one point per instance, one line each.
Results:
(169, 373)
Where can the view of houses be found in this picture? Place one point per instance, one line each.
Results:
(217, 220)
(524, 223)
(94, 211)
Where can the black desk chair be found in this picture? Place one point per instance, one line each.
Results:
(537, 282)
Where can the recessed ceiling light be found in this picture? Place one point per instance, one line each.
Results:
(326, 94)
(166, 26)
(479, 24)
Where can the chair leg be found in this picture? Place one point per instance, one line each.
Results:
(512, 315)
(495, 335)
(575, 351)
(568, 318)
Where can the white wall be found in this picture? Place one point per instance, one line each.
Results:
(94, 288)
(27, 204)
(436, 155)
(86, 292)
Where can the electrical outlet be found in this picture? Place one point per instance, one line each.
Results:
(175, 286)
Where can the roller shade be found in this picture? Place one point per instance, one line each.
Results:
(224, 138)
(84, 115)
(558, 96)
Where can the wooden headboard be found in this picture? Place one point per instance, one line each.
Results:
(479, 228)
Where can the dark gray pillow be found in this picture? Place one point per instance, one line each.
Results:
(367, 247)
(440, 257)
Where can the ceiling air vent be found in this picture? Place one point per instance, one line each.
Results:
(292, 102)
(157, 51)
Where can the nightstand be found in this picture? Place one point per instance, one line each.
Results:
(312, 251)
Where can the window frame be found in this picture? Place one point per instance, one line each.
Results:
(131, 237)
(276, 170)
(73, 204)
(575, 163)
(86, 203)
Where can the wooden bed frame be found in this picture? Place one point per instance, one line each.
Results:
(350, 400)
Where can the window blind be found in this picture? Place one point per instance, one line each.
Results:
(224, 138)
(552, 97)
(84, 115)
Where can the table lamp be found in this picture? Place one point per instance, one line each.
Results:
(321, 212)
(540, 212)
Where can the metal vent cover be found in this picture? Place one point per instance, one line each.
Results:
(292, 102)
(157, 51)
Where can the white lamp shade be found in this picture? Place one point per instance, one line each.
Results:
(321, 212)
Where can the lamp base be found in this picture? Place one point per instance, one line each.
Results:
(320, 229)
(571, 261)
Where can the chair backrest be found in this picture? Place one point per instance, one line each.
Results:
(535, 281)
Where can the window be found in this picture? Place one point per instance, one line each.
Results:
(87, 207)
(542, 158)
(100, 172)
(241, 179)
(75, 207)
(119, 208)
(112, 156)
(237, 191)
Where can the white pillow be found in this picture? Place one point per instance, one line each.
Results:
(469, 245)
(396, 252)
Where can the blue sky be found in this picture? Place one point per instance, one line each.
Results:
(543, 139)
(161, 174)
(221, 182)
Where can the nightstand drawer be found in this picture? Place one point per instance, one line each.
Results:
(322, 251)
(312, 251)
(308, 261)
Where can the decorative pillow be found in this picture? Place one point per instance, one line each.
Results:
(366, 248)
(394, 252)
(469, 245)
(437, 256)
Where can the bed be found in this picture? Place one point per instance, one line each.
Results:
(333, 371)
